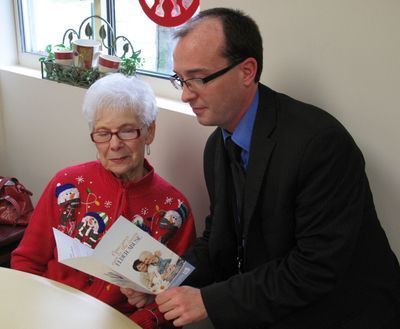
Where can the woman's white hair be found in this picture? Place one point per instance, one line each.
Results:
(117, 92)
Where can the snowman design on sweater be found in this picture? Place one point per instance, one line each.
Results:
(68, 199)
(85, 218)
(91, 225)
(167, 222)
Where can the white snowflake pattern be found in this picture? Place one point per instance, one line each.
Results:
(168, 200)
(144, 211)
(108, 204)
(80, 179)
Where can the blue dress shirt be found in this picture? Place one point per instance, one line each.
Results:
(244, 130)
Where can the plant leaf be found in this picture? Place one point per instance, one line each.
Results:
(48, 49)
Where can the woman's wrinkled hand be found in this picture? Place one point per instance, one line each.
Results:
(136, 298)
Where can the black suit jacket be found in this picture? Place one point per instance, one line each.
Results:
(315, 254)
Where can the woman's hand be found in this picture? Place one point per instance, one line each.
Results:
(136, 298)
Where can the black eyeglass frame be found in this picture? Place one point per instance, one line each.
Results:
(178, 83)
(138, 130)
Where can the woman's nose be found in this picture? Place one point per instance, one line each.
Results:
(115, 142)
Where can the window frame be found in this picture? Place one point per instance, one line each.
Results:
(167, 96)
(30, 60)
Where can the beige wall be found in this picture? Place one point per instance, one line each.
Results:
(45, 131)
(341, 55)
(7, 39)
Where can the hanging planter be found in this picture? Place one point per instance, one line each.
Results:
(74, 67)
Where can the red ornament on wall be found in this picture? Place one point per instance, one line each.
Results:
(170, 12)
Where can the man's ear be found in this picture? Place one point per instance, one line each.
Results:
(249, 69)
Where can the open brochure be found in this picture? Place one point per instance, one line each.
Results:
(127, 257)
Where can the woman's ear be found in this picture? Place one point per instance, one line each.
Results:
(151, 131)
(249, 69)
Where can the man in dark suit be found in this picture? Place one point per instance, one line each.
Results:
(298, 244)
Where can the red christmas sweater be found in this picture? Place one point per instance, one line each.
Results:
(83, 201)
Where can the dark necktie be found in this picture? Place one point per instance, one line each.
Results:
(238, 173)
(239, 177)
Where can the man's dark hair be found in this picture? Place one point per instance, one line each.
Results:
(242, 35)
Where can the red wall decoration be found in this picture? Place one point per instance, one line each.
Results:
(170, 12)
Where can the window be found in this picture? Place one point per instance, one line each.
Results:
(44, 22)
(156, 42)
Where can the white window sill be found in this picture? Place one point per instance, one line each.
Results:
(162, 102)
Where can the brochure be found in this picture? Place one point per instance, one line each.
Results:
(127, 257)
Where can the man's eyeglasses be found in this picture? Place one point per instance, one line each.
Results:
(194, 83)
(104, 136)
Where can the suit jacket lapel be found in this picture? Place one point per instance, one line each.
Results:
(260, 152)
(220, 171)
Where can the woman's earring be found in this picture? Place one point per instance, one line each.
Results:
(147, 149)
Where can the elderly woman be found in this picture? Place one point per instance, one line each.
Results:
(84, 200)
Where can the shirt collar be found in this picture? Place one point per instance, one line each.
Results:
(243, 131)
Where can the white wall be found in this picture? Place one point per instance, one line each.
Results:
(344, 56)
(45, 131)
(7, 56)
(341, 55)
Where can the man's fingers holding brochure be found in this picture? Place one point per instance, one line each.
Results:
(182, 305)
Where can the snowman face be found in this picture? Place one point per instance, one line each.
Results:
(91, 222)
(138, 220)
(173, 218)
(68, 195)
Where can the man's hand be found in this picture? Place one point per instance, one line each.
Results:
(136, 298)
(182, 305)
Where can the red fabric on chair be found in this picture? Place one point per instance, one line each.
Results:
(10, 236)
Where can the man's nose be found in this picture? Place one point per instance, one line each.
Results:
(187, 94)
